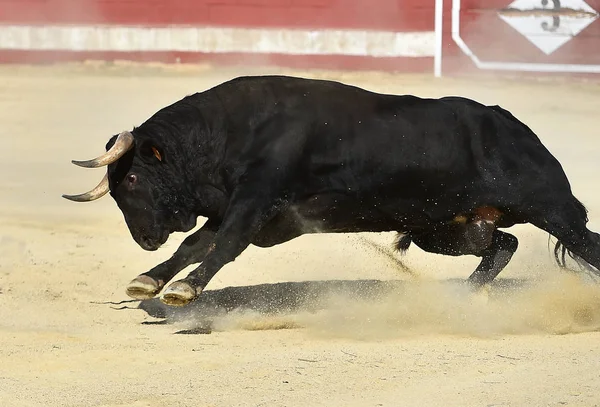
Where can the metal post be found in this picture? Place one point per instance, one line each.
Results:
(438, 23)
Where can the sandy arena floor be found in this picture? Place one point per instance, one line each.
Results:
(425, 343)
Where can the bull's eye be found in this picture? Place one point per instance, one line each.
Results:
(132, 178)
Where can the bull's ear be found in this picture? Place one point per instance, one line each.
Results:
(157, 153)
(152, 152)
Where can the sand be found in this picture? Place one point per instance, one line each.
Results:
(286, 333)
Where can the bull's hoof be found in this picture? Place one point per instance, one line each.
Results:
(179, 294)
(481, 295)
(143, 287)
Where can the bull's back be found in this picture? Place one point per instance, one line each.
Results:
(395, 144)
(354, 136)
(449, 151)
(401, 145)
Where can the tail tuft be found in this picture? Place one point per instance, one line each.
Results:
(561, 251)
(560, 255)
(402, 242)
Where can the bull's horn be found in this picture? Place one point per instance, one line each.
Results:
(92, 195)
(123, 143)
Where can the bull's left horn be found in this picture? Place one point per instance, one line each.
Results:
(123, 143)
(92, 195)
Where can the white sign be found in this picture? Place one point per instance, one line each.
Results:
(548, 24)
(532, 8)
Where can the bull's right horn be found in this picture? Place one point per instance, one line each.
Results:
(98, 192)
(123, 143)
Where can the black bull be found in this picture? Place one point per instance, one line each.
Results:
(267, 159)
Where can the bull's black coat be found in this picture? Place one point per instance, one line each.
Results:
(267, 159)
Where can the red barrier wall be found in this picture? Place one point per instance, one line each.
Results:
(389, 16)
(482, 36)
(383, 15)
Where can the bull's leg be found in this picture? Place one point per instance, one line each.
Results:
(480, 238)
(494, 258)
(456, 239)
(258, 197)
(249, 210)
(192, 250)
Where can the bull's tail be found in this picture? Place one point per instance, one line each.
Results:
(402, 242)
(561, 253)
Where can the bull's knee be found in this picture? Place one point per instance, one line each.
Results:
(494, 258)
(478, 236)
(507, 242)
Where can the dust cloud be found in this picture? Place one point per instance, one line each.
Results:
(563, 304)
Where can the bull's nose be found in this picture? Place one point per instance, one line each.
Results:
(148, 244)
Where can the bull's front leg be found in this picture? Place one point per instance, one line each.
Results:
(191, 251)
(248, 212)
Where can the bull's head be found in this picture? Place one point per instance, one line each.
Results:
(145, 188)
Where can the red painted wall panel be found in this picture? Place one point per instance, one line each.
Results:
(381, 15)
(481, 28)
(384, 19)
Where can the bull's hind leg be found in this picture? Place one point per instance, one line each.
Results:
(494, 258)
(191, 251)
(480, 239)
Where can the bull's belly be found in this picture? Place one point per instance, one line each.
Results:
(336, 213)
(328, 214)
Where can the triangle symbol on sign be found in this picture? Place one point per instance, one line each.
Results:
(546, 32)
